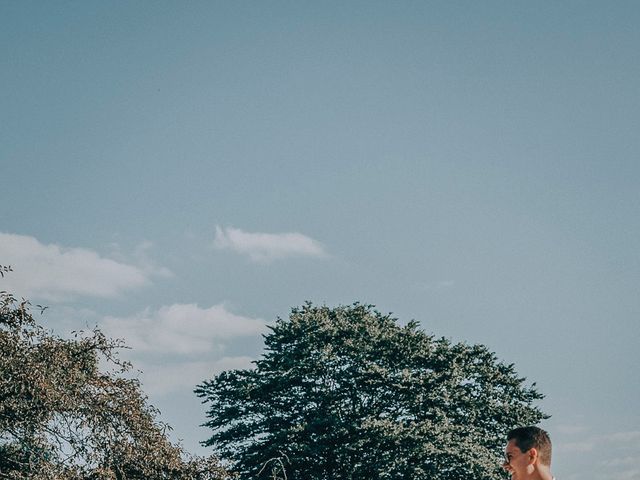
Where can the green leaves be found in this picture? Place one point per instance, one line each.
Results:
(61, 416)
(349, 393)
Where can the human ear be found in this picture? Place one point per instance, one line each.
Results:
(533, 455)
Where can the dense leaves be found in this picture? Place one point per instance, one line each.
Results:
(62, 416)
(348, 393)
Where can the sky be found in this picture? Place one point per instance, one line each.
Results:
(182, 174)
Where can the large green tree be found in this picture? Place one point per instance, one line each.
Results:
(69, 411)
(348, 393)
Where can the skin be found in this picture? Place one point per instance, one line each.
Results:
(524, 465)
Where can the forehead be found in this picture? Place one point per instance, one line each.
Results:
(511, 447)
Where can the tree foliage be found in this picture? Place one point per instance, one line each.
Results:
(349, 393)
(63, 416)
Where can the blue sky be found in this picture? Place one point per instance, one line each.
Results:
(182, 174)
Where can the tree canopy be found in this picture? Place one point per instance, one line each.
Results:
(67, 409)
(348, 392)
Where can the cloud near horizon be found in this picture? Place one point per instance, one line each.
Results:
(56, 273)
(178, 346)
(267, 247)
(181, 329)
(161, 379)
(623, 445)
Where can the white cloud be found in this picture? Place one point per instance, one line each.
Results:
(267, 247)
(56, 273)
(178, 346)
(182, 329)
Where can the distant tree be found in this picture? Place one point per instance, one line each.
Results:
(62, 416)
(4, 269)
(347, 393)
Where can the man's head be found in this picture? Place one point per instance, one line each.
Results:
(528, 449)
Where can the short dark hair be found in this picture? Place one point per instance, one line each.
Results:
(527, 438)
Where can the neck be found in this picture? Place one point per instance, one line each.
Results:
(542, 472)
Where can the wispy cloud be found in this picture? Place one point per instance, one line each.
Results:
(613, 455)
(182, 329)
(267, 247)
(589, 442)
(140, 256)
(632, 436)
(54, 272)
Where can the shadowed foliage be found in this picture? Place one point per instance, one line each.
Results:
(348, 393)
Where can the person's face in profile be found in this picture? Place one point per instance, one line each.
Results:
(516, 462)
